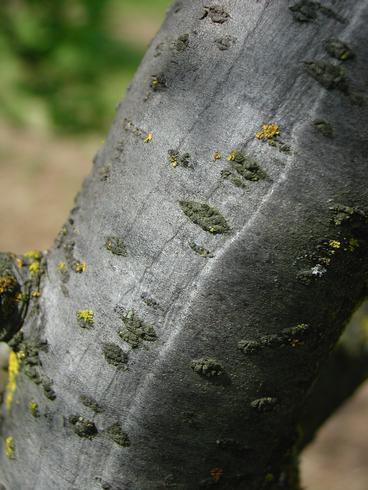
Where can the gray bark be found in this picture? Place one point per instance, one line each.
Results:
(217, 350)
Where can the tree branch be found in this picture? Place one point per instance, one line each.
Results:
(344, 372)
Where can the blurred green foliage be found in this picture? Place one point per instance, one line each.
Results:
(66, 61)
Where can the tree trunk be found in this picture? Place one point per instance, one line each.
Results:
(172, 334)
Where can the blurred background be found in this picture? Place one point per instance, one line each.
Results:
(65, 65)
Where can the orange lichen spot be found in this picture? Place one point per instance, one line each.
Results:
(148, 138)
(80, 267)
(7, 283)
(217, 156)
(173, 160)
(295, 342)
(232, 156)
(216, 473)
(268, 132)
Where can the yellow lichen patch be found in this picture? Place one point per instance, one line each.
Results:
(154, 82)
(19, 262)
(148, 138)
(268, 132)
(33, 408)
(7, 283)
(13, 371)
(217, 156)
(9, 447)
(61, 266)
(34, 268)
(80, 267)
(20, 297)
(173, 160)
(36, 294)
(33, 254)
(85, 316)
(216, 473)
(334, 244)
(232, 156)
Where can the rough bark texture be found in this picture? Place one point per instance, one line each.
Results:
(180, 355)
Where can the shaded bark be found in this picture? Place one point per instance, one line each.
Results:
(209, 265)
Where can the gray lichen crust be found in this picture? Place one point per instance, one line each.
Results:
(205, 216)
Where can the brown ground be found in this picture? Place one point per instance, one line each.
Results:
(39, 176)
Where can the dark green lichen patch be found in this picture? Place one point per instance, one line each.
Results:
(116, 246)
(329, 12)
(234, 179)
(347, 242)
(207, 367)
(31, 363)
(182, 43)
(250, 346)
(352, 217)
(105, 170)
(91, 403)
(205, 216)
(232, 446)
(159, 49)
(48, 390)
(328, 75)
(246, 167)
(116, 434)
(158, 82)
(83, 427)
(324, 128)
(293, 337)
(226, 42)
(150, 301)
(103, 484)
(34, 409)
(265, 404)
(14, 294)
(339, 49)
(216, 14)
(179, 160)
(308, 10)
(203, 252)
(136, 331)
(305, 11)
(115, 356)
